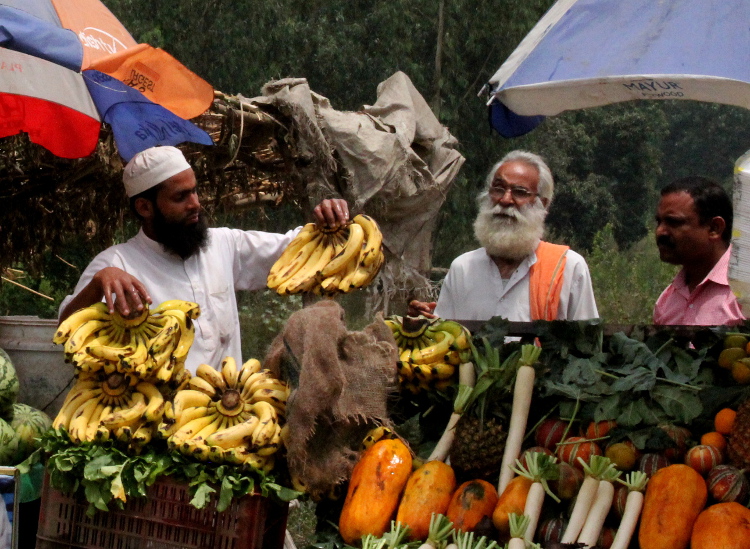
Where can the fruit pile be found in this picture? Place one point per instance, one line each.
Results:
(329, 263)
(430, 352)
(734, 357)
(20, 424)
(235, 415)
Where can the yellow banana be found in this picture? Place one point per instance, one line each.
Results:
(351, 251)
(126, 416)
(143, 434)
(375, 435)
(274, 443)
(108, 352)
(154, 401)
(266, 427)
(76, 397)
(229, 372)
(235, 435)
(188, 430)
(80, 420)
(441, 370)
(166, 336)
(297, 262)
(250, 367)
(199, 384)
(210, 375)
(345, 285)
(82, 335)
(307, 277)
(97, 311)
(435, 352)
(167, 427)
(191, 309)
(251, 381)
(373, 239)
(189, 398)
(307, 233)
(276, 398)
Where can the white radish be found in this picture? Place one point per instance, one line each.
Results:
(467, 375)
(599, 468)
(443, 446)
(522, 392)
(589, 535)
(440, 529)
(465, 540)
(518, 526)
(539, 468)
(636, 483)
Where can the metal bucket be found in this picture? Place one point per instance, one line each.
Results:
(44, 376)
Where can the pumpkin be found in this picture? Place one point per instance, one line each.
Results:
(512, 500)
(674, 498)
(722, 526)
(471, 502)
(428, 490)
(377, 481)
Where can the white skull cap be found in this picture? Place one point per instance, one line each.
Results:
(150, 167)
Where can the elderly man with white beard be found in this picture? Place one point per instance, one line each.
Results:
(515, 274)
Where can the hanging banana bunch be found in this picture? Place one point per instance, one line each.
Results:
(430, 352)
(111, 406)
(228, 415)
(151, 345)
(332, 262)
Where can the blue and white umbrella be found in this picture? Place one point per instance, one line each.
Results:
(589, 53)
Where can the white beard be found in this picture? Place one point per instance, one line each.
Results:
(509, 233)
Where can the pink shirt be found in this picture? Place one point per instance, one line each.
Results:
(712, 303)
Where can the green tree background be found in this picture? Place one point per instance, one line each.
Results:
(609, 163)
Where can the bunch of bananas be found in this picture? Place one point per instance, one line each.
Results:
(151, 345)
(230, 416)
(327, 263)
(430, 351)
(101, 407)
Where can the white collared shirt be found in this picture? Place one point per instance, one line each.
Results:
(233, 260)
(474, 290)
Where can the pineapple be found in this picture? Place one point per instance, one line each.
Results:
(479, 442)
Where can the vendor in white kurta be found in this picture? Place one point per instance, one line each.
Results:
(515, 275)
(175, 256)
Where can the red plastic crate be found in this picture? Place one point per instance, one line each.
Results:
(163, 520)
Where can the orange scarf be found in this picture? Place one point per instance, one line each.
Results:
(545, 280)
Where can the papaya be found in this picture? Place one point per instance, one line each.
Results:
(471, 502)
(428, 490)
(512, 500)
(722, 526)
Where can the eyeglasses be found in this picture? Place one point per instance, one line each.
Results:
(517, 193)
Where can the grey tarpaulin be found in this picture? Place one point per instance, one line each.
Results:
(392, 160)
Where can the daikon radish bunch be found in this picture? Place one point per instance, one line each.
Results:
(392, 539)
(605, 493)
(437, 535)
(598, 468)
(540, 468)
(636, 483)
(522, 392)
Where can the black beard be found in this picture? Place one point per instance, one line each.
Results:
(178, 238)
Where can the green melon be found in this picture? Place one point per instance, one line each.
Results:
(8, 444)
(8, 386)
(29, 424)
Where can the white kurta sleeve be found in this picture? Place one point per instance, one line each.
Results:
(581, 304)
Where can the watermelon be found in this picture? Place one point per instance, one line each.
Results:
(8, 443)
(8, 386)
(29, 424)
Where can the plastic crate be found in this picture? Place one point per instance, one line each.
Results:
(164, 519)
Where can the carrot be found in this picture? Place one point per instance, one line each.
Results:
(518, 526)
(443, 446)
(522, 392)
(539, 468)
(598, 467)
(636, 482)
(440, 529)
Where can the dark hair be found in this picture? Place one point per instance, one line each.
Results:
(148, 194)
(710, 199)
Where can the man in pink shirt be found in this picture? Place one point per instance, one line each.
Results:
(694, 229)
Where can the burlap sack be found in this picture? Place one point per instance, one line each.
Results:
(341, 381)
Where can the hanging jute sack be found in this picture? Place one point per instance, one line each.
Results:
(341, 381)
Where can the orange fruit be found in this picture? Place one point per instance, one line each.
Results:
(724, 420)
(715, 439)
(731, 355)
(741, 372)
